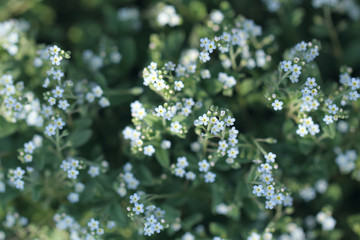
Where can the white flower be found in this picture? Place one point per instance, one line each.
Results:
(104, 102)
(302, 131)
(182, 162)
(54, 50)
(55, 60)
(94, 171)
(97, 91)
(203, 166)
(270, 157)
(149, 150)
(93, 224)
(176, 127)
(178, 85)
(180, 172)
(63, 104)
(209, 177)
(204, 56)
(216, 16)
(73, 197)
(165, 144)
(277, 105)
(50, 130)
(328, 119)
(58, 92)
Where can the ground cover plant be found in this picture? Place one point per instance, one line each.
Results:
(179, 119)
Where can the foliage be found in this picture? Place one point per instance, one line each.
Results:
(179, 119)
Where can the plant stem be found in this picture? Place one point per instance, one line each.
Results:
(333, 34)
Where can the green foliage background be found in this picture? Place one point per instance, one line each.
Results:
(91, 24)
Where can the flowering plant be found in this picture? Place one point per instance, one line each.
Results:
(229, 127)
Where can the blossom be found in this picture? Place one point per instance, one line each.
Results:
(176, 127)
(277, 105)
(328, 119)
(138, 208)
(149, 150)
(203, 166)
(258, 190)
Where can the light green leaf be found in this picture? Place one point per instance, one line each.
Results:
(162, 156)
(79, 138)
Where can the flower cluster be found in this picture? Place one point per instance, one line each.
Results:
(153, 217)
(95, 62)
(312, 100)
(94, 227)
(14, 104)
(302, 53)
(10, 33)
(26, 154)
(89, 92)
(237, 43)
(181, 108)
(74, 197)
(127, 180)
(131, 16)
(13, 218)
(16, 177)
(227, 81)
(180, 169)
(326, 220)
(71, 167)
(308, 193)
(346, 161)
(219, 124)
(293, 231)
(256, 236)
(274, 194)
(93, 231)
(351, 86)
(162, 81)
(168, 16)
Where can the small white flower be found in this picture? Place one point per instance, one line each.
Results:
(277, 105)
(149, 150)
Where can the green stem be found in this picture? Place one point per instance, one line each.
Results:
(333, 34)
(259, 147)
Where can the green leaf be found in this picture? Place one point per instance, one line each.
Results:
(82, 123)
(245, 86)
(306, 145)
(241, 191)
(117, 213)
(6, 128)
(252, 174)
(79, 138)
(162, 156)
(192, 220)
(146, 176)
(251, 208)
(213, 86)
(354, 223)
(228, 92)
(217, 229)
(329, 131)
(153, 121)
(297, 17)
(174, 41)
(36, 192)
(197, 9)
(171, 213)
